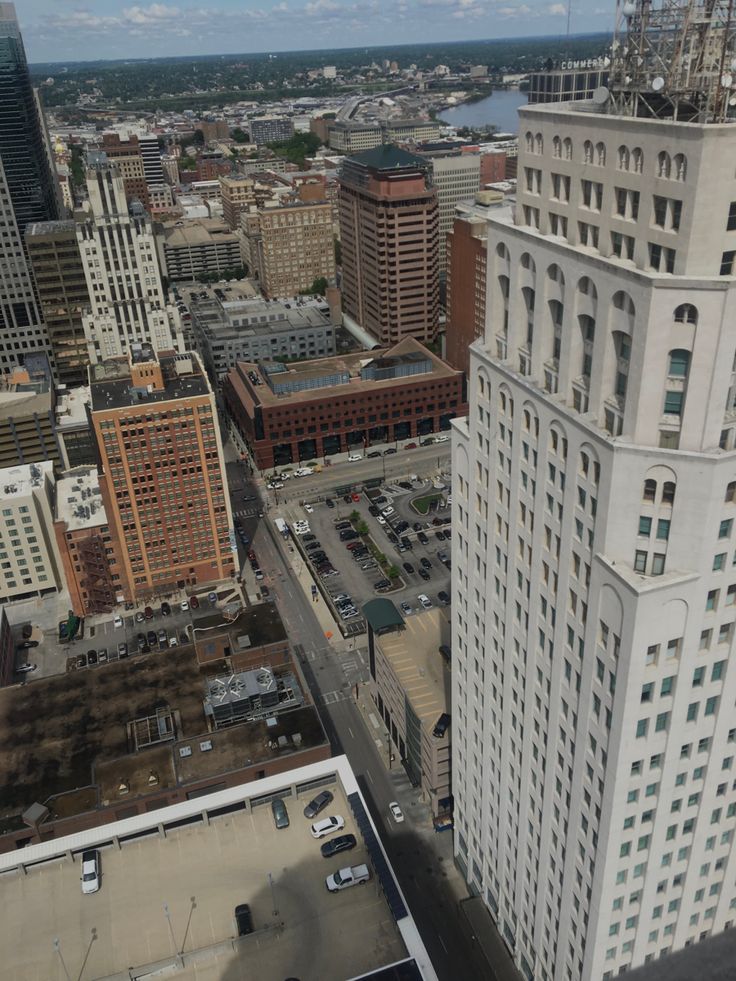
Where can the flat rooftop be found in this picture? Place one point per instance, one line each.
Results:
(174, 891)
(111, 384)
(21, 481)
(348, 365)
(193, 232)
(414, 655)
(79, 499)
(71, 740)
(71, 407)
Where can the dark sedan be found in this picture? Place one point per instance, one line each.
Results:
(343, 843)
(318, 804)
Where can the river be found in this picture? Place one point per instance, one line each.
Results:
(497, 110)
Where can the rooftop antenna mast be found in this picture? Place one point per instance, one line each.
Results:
(569, 14)
(674, 59)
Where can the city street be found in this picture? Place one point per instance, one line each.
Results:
(421, 857)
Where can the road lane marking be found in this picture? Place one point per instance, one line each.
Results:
(351, 733)
(368, 774)
(444, 946)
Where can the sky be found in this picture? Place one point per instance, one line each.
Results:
(61, 30)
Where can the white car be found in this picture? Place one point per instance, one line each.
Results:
(396, 813)
(308, 508)
(117, 621)
(381, 520)
(441, 439)
(327, 825)
(425, 601)
(184, 606)
(26, 668)
(387, 512)
(90, 871)
(354, 457)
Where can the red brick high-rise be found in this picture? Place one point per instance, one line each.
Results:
(389, 234)
(162, 472)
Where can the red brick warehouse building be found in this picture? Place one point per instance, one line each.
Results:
(310, 410)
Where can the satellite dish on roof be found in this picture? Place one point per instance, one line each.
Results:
(601, 95)
(657, 84)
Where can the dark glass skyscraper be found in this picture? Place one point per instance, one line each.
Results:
(23, 147)
(27, 194)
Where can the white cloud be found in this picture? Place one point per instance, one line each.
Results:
(557, 10)
(155, 14)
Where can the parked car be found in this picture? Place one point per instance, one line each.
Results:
(354, 457)
(423, 538)
(406, 542)
(280, 814)
(90, 871)
(148, 613)
(165, 610)
(342, 525)
(122, 649)
(410, 446)
(327, 825)
(26, 668)
(139, 618)
(382, 584)
(184, 606)
(357, 875)
(445, 651)
(212, 597)
(441, 726)
(117, 621)
(351, 546)
(443, 597)
(348, 536)
(92, 657)
(439, 535)
(373, 454)
(425, 562)
(389, 451)
(343, 843)
(151, 638)
(442, 556)
(329, 502)
(396, 813)
(408, 567)
(194, 602)
(318, 804)
(372, 509)
(163, 640)
(173, 639)
(423, 574)
(406, 608)
(425, 601)
(367, 566)
(243, 920)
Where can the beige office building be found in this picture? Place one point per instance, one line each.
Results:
(237, 194)
(411, 689)
(30, 565)
(289, 246)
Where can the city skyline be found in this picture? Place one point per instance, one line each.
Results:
(55, 30)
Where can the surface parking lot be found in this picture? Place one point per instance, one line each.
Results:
(360, 584)
(161, 895)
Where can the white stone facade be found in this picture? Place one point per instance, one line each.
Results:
(594, 553)
(128, 303)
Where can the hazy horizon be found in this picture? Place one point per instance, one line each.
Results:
(59, 31)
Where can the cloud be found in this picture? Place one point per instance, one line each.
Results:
(557, 10)
(155, 14)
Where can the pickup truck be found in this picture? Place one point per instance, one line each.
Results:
(357, 875)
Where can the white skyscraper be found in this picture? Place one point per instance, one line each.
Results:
(118, 249)
(594, 496)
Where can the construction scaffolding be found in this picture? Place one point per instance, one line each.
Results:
(674, 59)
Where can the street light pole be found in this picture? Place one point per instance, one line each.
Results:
(57, 948)
(273, 895)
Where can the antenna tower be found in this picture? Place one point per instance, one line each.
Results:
(674, 59)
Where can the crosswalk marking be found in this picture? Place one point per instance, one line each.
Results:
(245, 513)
